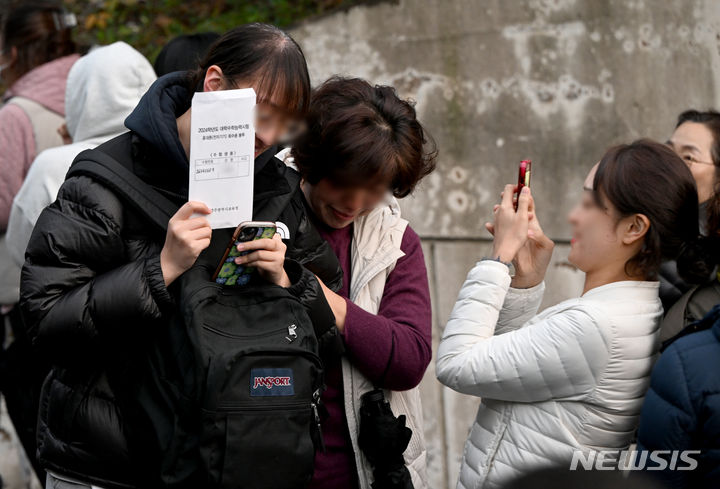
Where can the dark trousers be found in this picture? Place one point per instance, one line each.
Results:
(22, 372)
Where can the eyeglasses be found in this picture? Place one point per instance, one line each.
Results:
(687, 158)
(690, 160)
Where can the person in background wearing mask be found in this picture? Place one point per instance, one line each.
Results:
(97, 284)
(573, 376)
(36, 54)
(696, 140)
(183, 52)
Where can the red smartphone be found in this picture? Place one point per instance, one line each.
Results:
(523, 178)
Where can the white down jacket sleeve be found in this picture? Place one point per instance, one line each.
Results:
(519, 307)
(554, 356)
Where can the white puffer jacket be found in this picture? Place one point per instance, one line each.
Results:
(570, 378)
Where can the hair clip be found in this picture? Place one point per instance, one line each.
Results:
(64, 20)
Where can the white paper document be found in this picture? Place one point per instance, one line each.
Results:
(222, 154)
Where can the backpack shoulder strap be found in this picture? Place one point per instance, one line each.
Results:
(674, 320)
(44, 122)
(691, 313)
(104, 168)
(702, 324)
(706, 297)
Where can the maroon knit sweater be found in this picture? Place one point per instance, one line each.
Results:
(391, 348)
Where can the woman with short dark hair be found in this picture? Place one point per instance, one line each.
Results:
(363, 146)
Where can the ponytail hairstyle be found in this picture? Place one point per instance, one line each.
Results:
(646, 177)
(40, 32)
(711, 120)
(264, 56)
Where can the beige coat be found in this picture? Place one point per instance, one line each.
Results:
(375, 251)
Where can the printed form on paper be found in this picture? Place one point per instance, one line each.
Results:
(222, 154)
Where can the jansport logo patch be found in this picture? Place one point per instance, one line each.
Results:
(271, 382)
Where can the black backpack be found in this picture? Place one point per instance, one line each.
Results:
(232, 387)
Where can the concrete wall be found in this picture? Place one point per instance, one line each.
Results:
(495, 81)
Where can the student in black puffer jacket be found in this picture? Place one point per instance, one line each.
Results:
(97, 281)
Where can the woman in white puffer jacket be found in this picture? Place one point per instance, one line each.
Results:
(573, 377)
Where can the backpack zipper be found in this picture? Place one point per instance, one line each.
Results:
(267, 407)
(318, 424)
(295, 406)
(246, 336)
(292, 333)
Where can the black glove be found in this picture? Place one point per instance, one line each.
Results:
(383, 439)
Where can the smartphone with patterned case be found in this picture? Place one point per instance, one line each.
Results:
(230, 273)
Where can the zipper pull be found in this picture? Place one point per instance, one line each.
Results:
(319, 427)
(292, 333)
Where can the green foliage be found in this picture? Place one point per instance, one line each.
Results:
(148, 25)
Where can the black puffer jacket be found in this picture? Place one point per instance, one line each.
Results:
(93, 294)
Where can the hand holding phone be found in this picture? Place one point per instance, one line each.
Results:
(230, 273)
(268, 257)
(523, 179)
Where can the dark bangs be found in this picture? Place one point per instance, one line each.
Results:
(283, 81)
(267, 58)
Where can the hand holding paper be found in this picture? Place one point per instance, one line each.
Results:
(186, 238)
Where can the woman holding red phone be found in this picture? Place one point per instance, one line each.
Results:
(570, 378)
